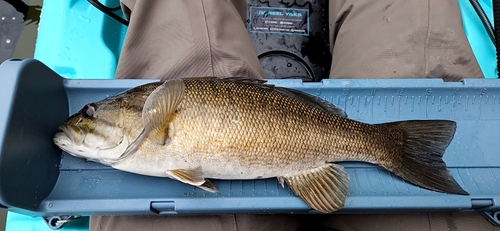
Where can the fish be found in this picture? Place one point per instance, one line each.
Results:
(196, 129)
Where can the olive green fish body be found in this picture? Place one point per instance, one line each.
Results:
(259, 131)
(200, 128)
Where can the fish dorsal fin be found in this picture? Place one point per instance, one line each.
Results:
(234, 79)
(307, 98)
(159, 107)
(247, 80)
(323, 188)
(313, 101)
(193, 177)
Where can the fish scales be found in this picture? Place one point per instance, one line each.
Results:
(257, 126)
(195, 129)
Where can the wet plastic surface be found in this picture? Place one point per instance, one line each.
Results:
(87, 188)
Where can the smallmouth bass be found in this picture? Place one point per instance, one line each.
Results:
(196, 129)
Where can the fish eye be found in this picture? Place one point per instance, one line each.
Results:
(89, 110)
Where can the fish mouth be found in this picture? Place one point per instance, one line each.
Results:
(62, 140)
(72, 133)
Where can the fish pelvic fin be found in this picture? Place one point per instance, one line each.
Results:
(420, 157)
(188, 176)
(193, 177)
(208, 186)
(159, 108)
(323, 188)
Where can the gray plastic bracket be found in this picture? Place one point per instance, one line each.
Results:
(58, 222)
(493, 214)
(493, 217)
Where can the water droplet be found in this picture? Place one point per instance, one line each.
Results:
(7, 41)
(50, 205)
(3, 18)
(13, 18)
(84, 19)
(288, 64)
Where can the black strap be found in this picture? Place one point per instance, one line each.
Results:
(496, 18)
(492, 33)
(108, 11)
(484, 19)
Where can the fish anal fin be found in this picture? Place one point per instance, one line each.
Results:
(323, 188)
(159, 109)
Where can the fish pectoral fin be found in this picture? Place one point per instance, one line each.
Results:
(159, 107)
(323, 188)
(188, 176)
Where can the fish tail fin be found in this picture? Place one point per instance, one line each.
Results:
(420, 157)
